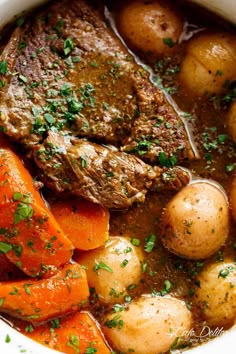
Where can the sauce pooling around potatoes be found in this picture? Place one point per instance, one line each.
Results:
(166, 257)
(198, 71)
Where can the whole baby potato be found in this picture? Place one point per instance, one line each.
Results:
(216, 294)
(150, 26)
(231, 121)
(148, 325)
(195, 222)
(112, 268)
(210, 60)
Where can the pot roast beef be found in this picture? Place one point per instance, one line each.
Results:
(67, 70)
(64, 71)
(101, 174)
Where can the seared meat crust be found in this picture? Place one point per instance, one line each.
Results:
(68, 71)
(65, 76)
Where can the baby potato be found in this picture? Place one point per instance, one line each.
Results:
(148, 324)
(231, 121)
(210, 60)
(112, 268)
(195, 223)
(150, 26)
(216, 294)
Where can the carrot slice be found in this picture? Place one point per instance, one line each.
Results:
(76, 333)
(30, 237)
(39, 300)
(86, 224)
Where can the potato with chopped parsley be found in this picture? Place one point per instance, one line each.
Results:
(216, 293)
(113, 268)
(147, 325)
(195, 223)
(210, 62)
(150, 26)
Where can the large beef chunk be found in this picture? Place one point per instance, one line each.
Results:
(101, 174)
(64, 69)
(156, 130)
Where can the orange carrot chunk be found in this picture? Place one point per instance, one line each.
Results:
(76, 333)
(86, 224)
(30, 237)
(39, 300)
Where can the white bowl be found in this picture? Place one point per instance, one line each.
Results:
(224, 342)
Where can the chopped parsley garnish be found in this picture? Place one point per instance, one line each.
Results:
(65, 90)
(144, 266)
(169, 42)
(231, 95)
(230, 167)
(22, 45)
(118, 308)
(102, 265)
(27, 288)
(29, 328)
(225, 272)
(17, 196)
(164, 161)
(135, 241)
(83, 161)
(91, 350)
(17, 250)
(74, 106)
(166, 289)
(219, 72)
(49, 118)
(3, 67)
(115, 322)
(7, 339)
(2, 83)
(23, 78)
(142, 147)
(55, 323)
(222, 138)
(124, 263)
(23, 211)
(59, 27)
(75, 59)
(5, 247)
(149, 243)
(68, 46)
(73, 343)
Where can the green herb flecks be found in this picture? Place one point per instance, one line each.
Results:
(3, 67)
(226, 271)
(5, 247)
(102, 265)
(115, 322)
(149, 243)
(165, 290)
(169, 42)
(73, 343)
(164, 161)
(23, 211)
(68, 46)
